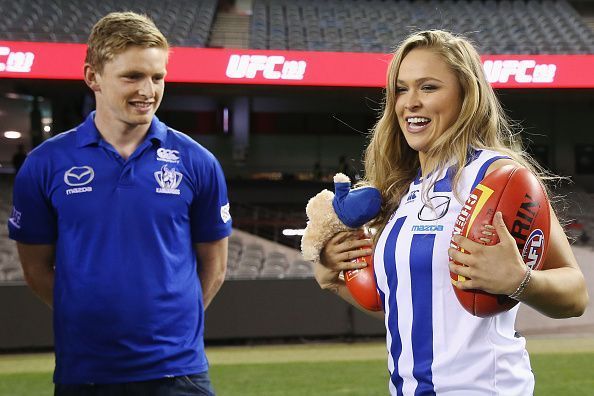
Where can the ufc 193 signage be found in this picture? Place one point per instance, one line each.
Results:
(310, 68)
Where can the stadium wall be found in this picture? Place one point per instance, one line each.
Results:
(268, 309)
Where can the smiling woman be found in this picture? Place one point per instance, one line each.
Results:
(441, 132)
(428, 99)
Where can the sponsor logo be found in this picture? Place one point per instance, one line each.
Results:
(16, 61)
(167, 155)
(78, 190)
(351, 274)
(168, 179)
(523, 71)
(15, 218)
(412, 196)
(425, 228)
(533, 249)
(472, 207)
(274, 67)
(79, 176)
(436, 208)
(225, 215)
(523, 221)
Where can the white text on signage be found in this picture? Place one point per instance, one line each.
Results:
(523, 71)
(15, 61)
(273, 67)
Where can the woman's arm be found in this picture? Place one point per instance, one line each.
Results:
(558, 290)
(337, 256)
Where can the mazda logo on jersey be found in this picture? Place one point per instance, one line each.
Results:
(436, 208)
(79, 176)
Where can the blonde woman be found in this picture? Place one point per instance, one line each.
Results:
(441, 132)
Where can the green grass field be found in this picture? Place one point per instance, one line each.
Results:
(562, 366)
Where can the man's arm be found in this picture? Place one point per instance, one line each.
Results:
(38, 266)
(212, 265)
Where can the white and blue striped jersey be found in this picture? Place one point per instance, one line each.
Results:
(435, 347)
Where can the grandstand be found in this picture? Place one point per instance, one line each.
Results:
(185, 23)
(499, 27)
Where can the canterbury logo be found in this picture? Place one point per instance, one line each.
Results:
(167, 155)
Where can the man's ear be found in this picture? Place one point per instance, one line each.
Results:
(91, 78)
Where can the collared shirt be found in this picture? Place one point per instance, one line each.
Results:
(127, 300)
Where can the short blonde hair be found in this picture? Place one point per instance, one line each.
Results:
(391, 164)
(117, 31)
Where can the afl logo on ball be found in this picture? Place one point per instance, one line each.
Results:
(533, 249)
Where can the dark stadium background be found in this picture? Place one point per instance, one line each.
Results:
(280, 144)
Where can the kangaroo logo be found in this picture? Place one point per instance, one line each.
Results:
(168, 179)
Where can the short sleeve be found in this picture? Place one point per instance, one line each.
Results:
(210, 216)
(32, 219)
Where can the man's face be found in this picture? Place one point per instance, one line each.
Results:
(130, 87)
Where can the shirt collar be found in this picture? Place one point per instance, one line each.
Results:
(88, 134)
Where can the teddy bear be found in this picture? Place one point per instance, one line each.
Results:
(344, 210)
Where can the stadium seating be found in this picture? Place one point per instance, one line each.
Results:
(184, 22)
(251, 257)
(498, 27)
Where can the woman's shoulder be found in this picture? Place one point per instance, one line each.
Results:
(487, 160)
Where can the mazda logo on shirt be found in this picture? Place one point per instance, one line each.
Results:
(79, 176)
(436, 209)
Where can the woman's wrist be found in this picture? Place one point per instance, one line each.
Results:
(516, 295)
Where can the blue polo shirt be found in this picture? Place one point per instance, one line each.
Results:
(127, 299)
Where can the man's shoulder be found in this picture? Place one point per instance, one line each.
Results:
(55, 144)
(188, 146)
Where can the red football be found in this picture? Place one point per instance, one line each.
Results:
(362, 286)
(519, 196)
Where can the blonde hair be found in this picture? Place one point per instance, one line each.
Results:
(391, 164)
(117, 31)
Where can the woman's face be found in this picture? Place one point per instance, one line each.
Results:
(428, 98)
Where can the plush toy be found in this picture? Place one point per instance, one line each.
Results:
(329, 213)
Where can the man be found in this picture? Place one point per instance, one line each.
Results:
(114, 219)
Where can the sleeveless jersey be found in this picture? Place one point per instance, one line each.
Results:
(435, 347)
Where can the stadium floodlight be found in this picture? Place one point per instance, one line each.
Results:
(290, 232)
(12, 135)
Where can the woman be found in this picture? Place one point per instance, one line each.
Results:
(442, 131)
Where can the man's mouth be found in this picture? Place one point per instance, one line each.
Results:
(142, 105)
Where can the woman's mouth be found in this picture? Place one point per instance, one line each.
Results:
(416, 124)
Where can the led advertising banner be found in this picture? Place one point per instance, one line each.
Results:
(58, 61)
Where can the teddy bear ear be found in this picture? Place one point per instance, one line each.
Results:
(318, 202)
